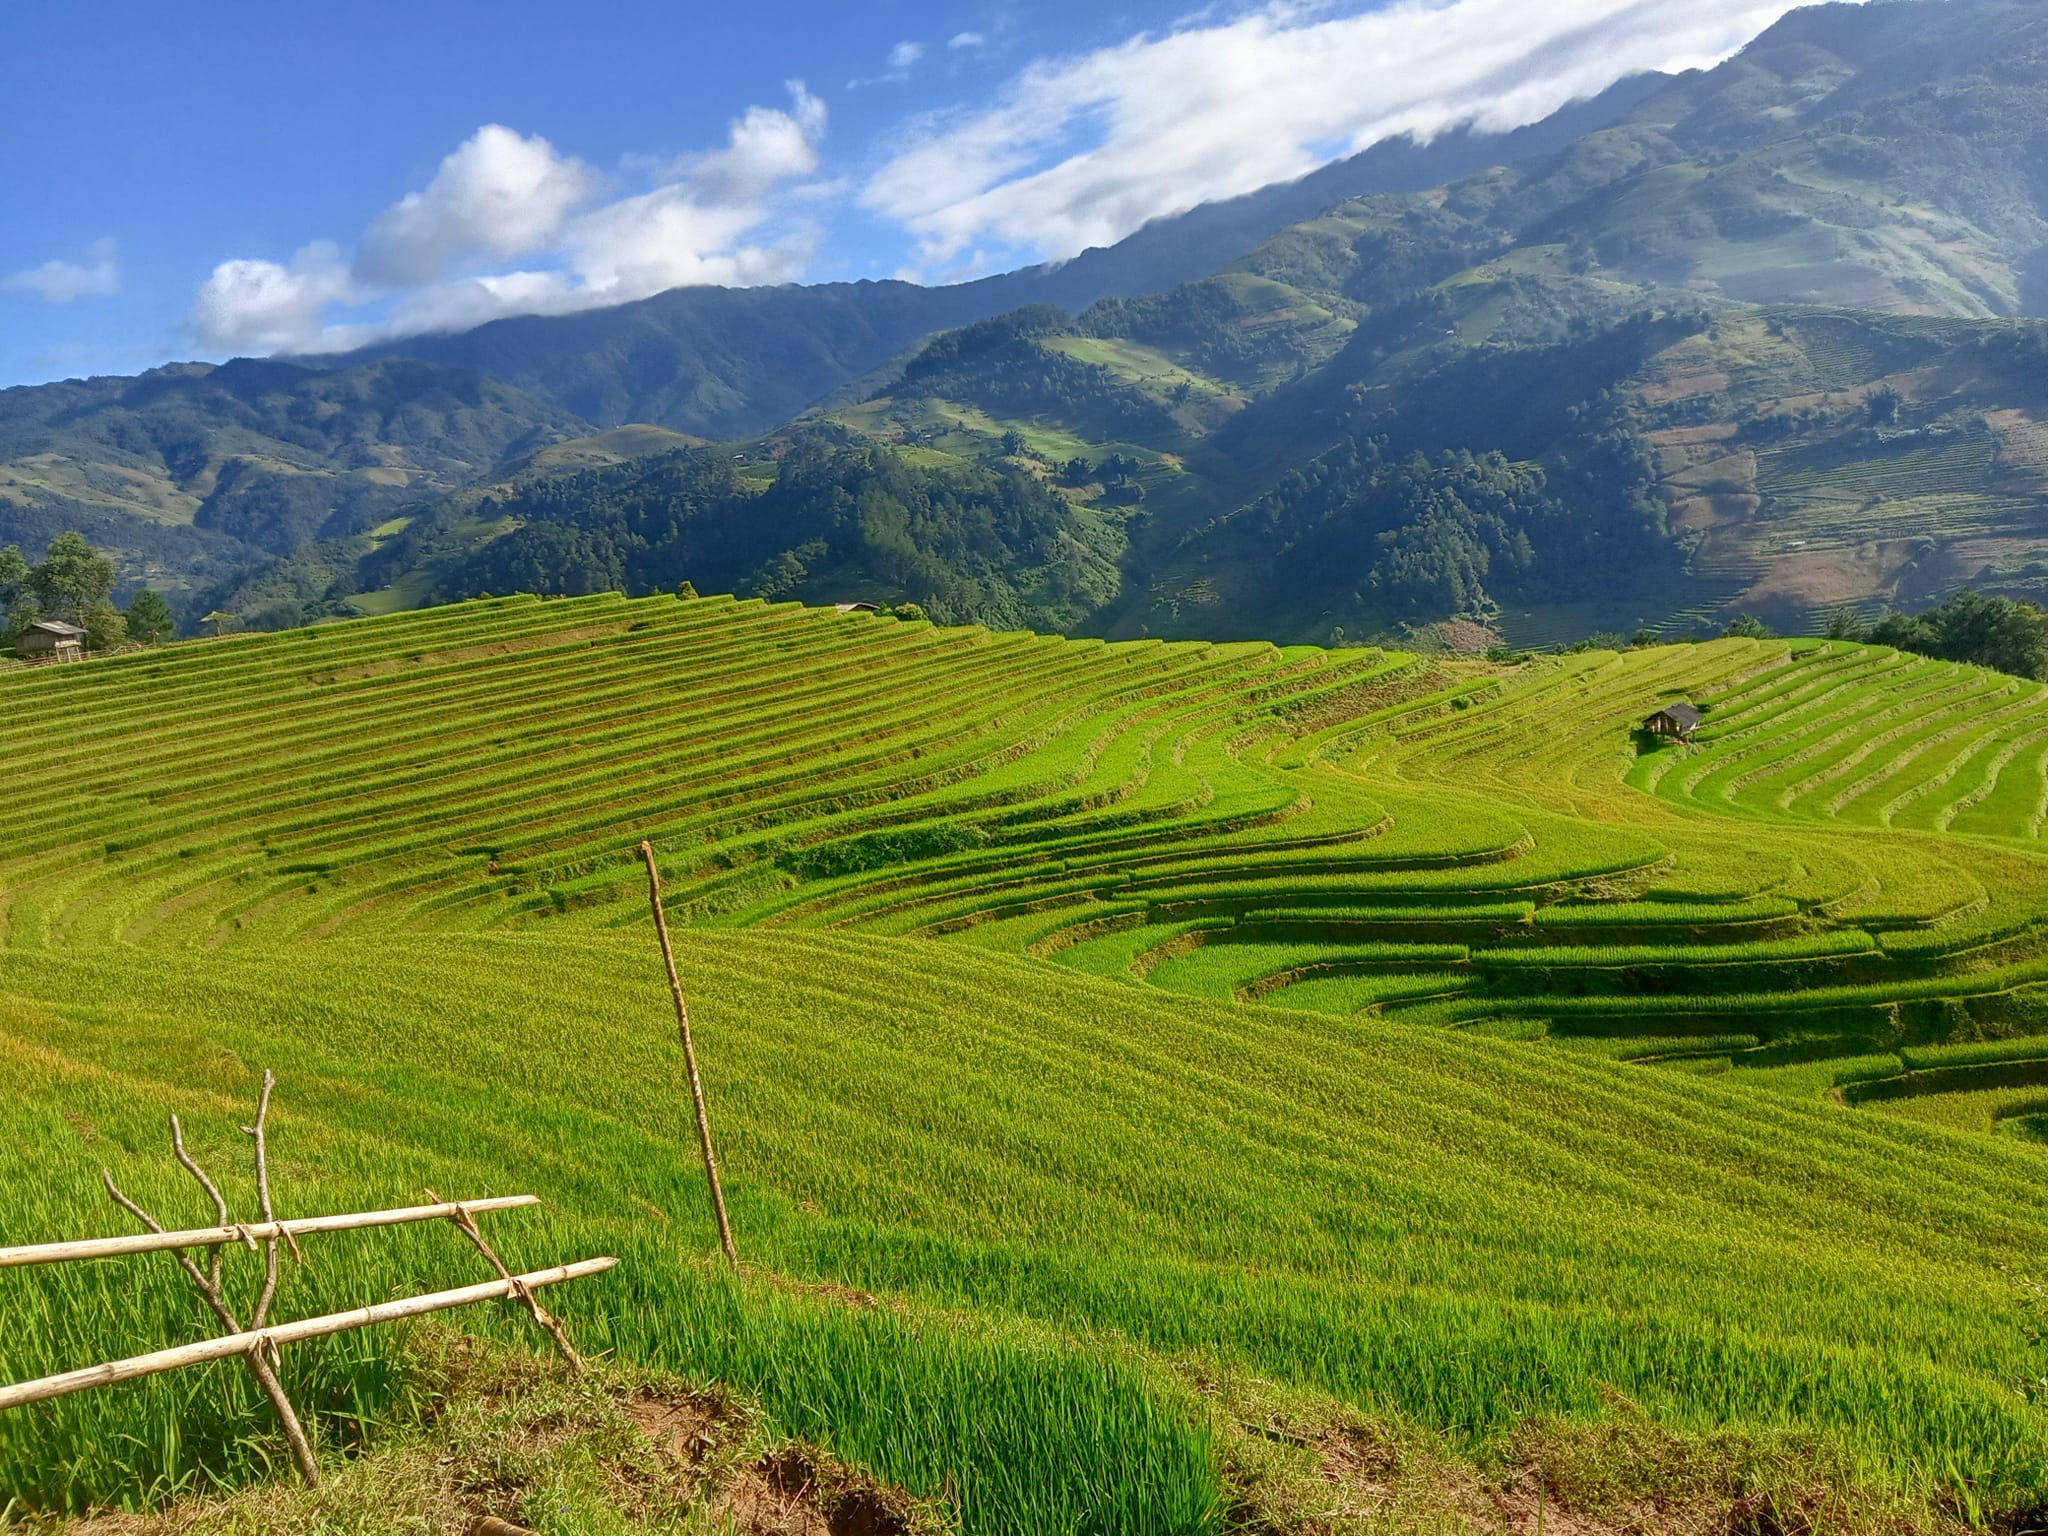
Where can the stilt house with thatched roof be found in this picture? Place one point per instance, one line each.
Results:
(1677, 721)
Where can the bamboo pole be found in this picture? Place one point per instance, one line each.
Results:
(251, 1345)
(675, 988)
(255, 1231)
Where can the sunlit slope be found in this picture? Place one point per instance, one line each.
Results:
(1844, 866)
(1458, 1228)
(498, 760)
(395, 860)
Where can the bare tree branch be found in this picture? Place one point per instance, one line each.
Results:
(255, 1131)
(220, 1206)
(552, 1325)
(207, 1283)
(208, 1288)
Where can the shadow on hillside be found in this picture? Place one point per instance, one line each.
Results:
(2034, 283)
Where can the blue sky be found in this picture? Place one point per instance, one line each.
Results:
(209, 179)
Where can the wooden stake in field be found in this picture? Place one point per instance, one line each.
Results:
(675, 988)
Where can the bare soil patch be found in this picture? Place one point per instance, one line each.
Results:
(1466, 637)
(791, 1490)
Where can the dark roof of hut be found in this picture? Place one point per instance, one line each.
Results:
(1682, 715)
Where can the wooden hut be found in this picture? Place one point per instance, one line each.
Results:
(1678, 721)
(855, 608)
(50, 640)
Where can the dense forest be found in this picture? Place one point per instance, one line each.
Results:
(1501, 476)
(838, 523)
(1419, 536)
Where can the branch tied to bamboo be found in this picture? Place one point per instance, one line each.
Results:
(256, 1342)
(261, 1357)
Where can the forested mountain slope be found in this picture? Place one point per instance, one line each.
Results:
(1748, 340)
(193, 473)
(195, 476)
(1671, 372)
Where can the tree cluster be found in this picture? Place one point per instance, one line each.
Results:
(1204, 320)
(980, 544)
(1456, 532)
(74, 584)
(999, 365)
(2001, 633)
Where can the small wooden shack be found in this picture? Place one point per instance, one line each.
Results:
(855, 608)
(51, 640)
(1677, 721)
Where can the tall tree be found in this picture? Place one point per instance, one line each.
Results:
(72, 578)
(104, 626)
(15, 596)
(13, 575)
(149, 618)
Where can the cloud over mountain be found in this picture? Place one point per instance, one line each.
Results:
(1081, 150)
(433, 259)
(1073, 151)
(499, 195)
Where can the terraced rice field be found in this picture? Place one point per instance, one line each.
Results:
(1388, 1028)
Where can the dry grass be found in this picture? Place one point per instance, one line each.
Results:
(1299, 1464)
(515, 1437)
(1465, 637)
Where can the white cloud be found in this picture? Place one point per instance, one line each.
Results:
(266, 306)
(729, 215)
(1080, 151)
(902, 59)
(471, 301)
(65, 282)
(764, 147)
(498, 195)
(967, 40)
(669, 238)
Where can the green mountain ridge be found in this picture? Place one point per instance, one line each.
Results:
(705, 362)
(197, 472)
(1788, 215)
(733, 363)
(1747, 340)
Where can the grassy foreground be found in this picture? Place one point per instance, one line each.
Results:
(390, 861)
(1445, 1227)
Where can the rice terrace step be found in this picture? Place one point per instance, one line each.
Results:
(1338, 826)
(1002, 948)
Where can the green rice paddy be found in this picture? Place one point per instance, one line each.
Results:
(1413, 1032)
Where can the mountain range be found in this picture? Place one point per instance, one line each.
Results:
(1752, 339)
